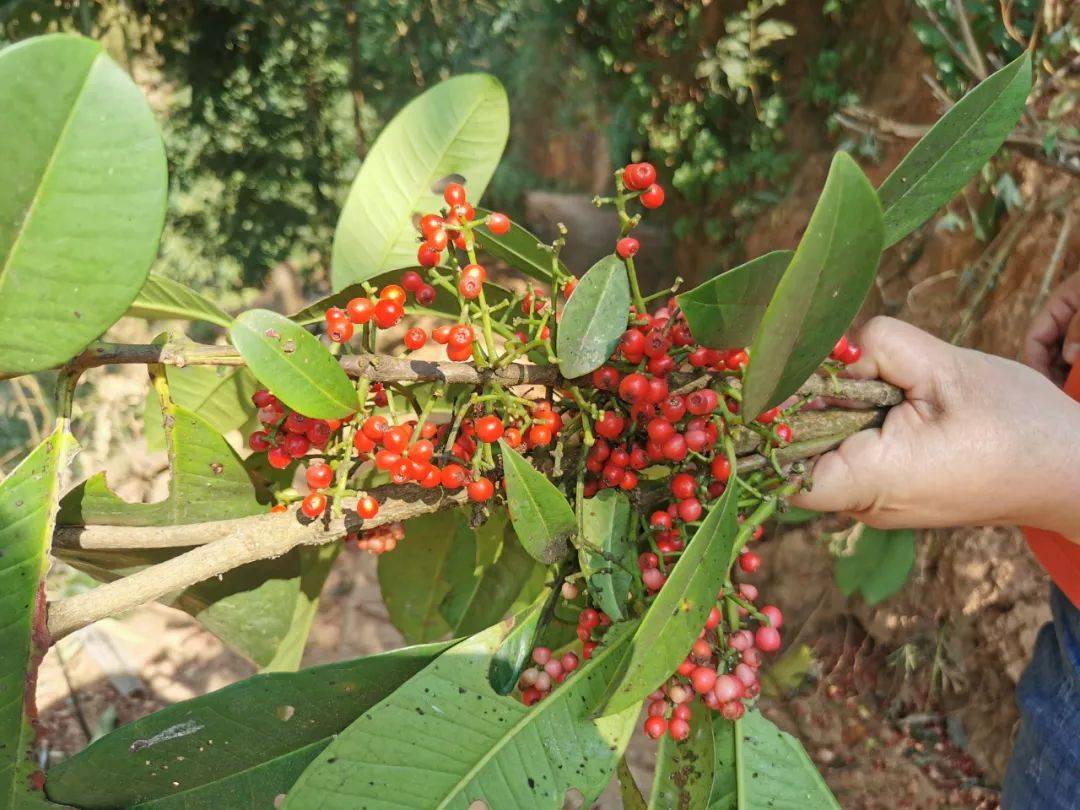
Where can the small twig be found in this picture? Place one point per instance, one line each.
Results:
(1055, 260)
(969, 39)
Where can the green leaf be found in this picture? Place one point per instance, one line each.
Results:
(263, 610)
(594, 318)
(292, 363)
(541, 515)
(414, 579)
(679, 611)
(459, 127)
(516, 649)
(605, 551)
(490, 590)
(746, 765)
(82, 202)
(241, 746)
(446, 739)
(162, 298)
(629, 792)
(821, 291)
(28, 499)
(878, 565)
(519, 248)
(954, 149)
(444, 303)
(726, 311)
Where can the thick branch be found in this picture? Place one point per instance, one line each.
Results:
(227, 544)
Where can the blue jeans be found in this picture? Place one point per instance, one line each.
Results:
(1044, 772)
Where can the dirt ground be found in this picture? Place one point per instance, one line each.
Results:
(906, 705)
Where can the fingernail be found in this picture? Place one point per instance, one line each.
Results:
(1071, 353)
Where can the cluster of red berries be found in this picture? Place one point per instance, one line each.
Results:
(641, 177)
(384, 312)
(287, 435)
(845, 351)
(721, 670)
(537, 682)
(378, 540)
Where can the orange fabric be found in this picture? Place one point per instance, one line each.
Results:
(1060, 557)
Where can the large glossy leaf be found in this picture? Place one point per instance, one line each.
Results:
(28, 499)
(605, 552)
(82, 200)
(821, 291)
(161, 298)
(746, 765)
(241, 746)
(418, 576)
(518, 248)
(293, 364)
(594, 318)
(491, 589)
(954, 149)
(878, 565)
(446, 739)
(726, 311)
(541, 515)
(677, 614)
(458, 127)
(264, 609)
(444, 303)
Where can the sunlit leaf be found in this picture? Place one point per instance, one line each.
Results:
(594, 318)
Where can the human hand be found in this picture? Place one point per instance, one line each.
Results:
(979, 440)
(1052, 343)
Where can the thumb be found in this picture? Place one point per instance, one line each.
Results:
(849, 479)
(1070, 351)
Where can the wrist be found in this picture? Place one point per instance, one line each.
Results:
(1056, 505)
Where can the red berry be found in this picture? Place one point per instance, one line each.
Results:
(728, 688)
(427, 256)
(683, 486)
(415, 338)
(296, 444)
(610, 425)
(319, 476)
(259, 441)
(648, 560)
(425, 294)
(633, 388)
(388, 313)
(703, 679)
(679, 729)
(453, 476)
(605, 378)
(674, 449)
(655, 727)
(627, 247)
(783, 433)
(262, 398)
(367, 507)
(454, 194)
(489, 429)
(375, 427)
(702, 402)
(480, 490)
(851, 355)
(767, 639)
(720, 468)
(652, 197)
(278, 458)
(732, 711)
(396, 439)
(411, 280)
(639, 176)
(340, 331)
(430, 223)
(392, 292)
(498, 223)
(713, 621)
(689, 510)
(840, 347)
(749, 562)
(314, 505)
(773, 614)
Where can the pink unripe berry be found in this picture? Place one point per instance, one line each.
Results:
(773, 614)
(767, 639)
(543, 682)
(553, 668)
(569, 662)
(678, 729)
(541, 655)
(728, 688)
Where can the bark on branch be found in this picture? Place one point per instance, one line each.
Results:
(227, 544)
